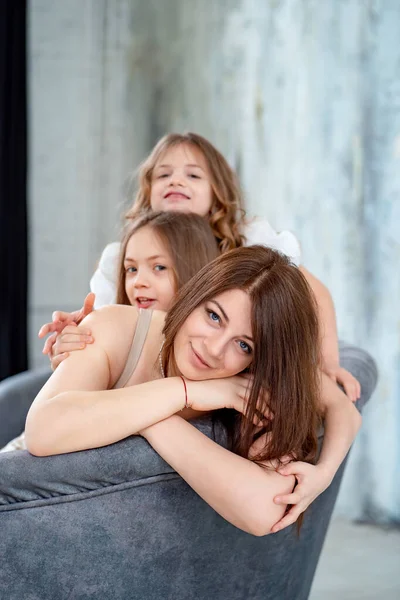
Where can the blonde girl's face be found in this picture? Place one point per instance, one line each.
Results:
(216, 339)
(181, 182)
(149, 271)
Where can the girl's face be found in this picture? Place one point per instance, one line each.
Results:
(181, 182)
(149, 275)
(216, 341)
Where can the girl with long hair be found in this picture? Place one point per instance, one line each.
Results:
(159, 253)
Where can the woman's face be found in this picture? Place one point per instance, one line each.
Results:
(216, 341)
(149, 275)
(181, 182)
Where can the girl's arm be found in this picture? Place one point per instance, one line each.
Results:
(342, 422)
(236, 488)
(329, 341)
(73, 412)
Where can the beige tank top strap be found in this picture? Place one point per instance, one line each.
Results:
(139, 338)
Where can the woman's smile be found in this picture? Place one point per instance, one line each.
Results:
(197, 359)
(212, 341)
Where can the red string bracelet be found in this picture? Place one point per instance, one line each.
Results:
(187, 405)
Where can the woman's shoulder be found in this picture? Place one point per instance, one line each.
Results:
(260, 231)
(118, 321)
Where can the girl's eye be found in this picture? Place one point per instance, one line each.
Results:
(162, 175)
(160, 268)
(194, 176)
(131, 270)
(245, 347)
(213, 315)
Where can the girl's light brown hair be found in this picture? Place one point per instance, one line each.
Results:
(285, 355)
(227, 215)
(187, 238)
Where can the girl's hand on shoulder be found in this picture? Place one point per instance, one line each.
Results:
(73, 337)
(65, 335)
(341, 376)
(312, 480)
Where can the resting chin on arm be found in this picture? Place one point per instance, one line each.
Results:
(236, 488)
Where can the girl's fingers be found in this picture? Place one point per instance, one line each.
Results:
(50, 327)
(60, 315)
(60, 348)
(87, 308)
(78, 338)
(56, 360)
(49, 343)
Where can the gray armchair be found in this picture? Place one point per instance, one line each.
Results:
(118, 523)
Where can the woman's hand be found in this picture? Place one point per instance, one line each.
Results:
(312, 480)
(66, 336)
(232, 392)
(339, 375)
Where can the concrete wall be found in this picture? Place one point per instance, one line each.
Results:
(303, 98)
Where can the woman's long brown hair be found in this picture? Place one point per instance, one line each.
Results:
(285, 355)
(188, 239)
(227, 214)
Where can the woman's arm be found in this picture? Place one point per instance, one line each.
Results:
(76, 411)
(329, 338)
(341, 423)
(236, 488)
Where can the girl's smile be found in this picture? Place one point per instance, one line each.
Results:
(181, 182)
(149, 274)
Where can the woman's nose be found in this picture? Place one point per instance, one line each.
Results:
(215, 346)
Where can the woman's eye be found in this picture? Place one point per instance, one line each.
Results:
(130, 270)
(245, 347)
(194, 176)
(160, 268)
(213, 316)
(161, 175)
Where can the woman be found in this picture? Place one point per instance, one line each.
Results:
(242, 335)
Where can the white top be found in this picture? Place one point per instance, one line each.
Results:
(259, 231)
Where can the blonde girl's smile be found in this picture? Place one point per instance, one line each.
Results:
(181, 181)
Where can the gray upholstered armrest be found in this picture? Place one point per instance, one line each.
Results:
(47, 480)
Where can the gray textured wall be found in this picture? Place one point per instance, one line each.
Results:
(302, 96)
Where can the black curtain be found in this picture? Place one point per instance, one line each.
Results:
(13, 179)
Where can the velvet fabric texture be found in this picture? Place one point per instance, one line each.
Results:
(118, 523)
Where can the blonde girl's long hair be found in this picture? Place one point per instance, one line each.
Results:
(227, 214)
